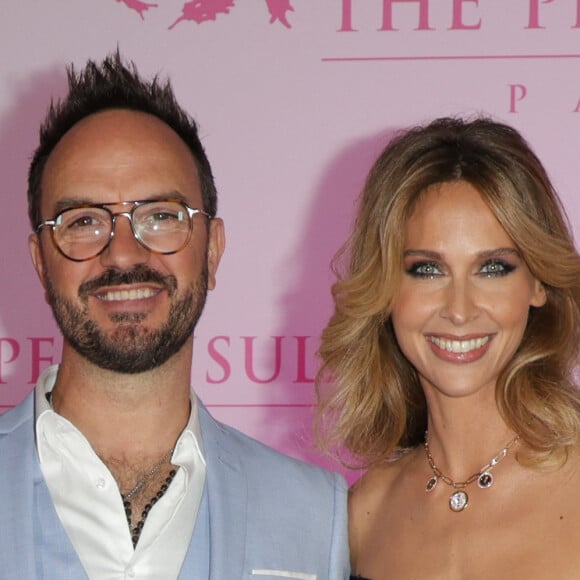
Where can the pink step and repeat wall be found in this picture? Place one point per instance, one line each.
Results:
(295, 98)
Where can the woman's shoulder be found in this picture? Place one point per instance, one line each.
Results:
(378, 479)
(371, 503)
(369, 495)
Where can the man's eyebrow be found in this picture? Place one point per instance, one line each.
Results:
(70, 202)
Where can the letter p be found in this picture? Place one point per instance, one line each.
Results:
(517, 93)
(7, 345)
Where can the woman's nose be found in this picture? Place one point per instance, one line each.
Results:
(460, 305)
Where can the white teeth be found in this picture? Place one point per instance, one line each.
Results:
(117, 295)
(459, 346)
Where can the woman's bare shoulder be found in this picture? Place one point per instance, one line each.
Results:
(368, 499)
(371, 489)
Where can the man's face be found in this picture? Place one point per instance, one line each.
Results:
(127, 310)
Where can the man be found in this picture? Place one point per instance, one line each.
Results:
(112, 468)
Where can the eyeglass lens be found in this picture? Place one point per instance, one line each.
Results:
(161, 226)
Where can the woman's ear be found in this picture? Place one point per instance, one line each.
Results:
(539, 296)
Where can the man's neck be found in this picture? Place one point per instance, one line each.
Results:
(125, 416)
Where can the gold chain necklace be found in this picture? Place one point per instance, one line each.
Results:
(459, 499)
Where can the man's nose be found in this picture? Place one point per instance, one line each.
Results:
(124, 250)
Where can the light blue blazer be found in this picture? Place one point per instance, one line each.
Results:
(263, 515)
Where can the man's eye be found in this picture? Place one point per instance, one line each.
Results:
(83, 221)
(162, 216)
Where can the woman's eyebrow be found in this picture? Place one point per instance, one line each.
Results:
(425, 253)
(483, 254)
(500, 252)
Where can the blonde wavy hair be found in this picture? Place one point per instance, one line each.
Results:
(377, 407)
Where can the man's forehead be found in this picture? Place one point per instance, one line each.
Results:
(124, 125)
(129, 152)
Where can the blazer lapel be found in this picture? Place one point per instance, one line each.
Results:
(227, 494)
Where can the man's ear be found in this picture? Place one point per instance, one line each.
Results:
(37, 258)
(215, 248)
(36, 255)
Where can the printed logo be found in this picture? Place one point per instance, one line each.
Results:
(138, 6)
(200, 11)
(278, 10)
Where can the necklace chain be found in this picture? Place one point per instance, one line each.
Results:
(148, 475)
(458, 500)
(135, 530)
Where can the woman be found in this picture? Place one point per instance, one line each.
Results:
(452, 348)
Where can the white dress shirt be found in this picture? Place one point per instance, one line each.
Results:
(89, 505)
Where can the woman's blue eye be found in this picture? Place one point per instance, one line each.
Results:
(424, 270)
(496, 268)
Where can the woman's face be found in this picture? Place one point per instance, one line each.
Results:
(465, 293)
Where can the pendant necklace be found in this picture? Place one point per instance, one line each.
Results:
(459, 499)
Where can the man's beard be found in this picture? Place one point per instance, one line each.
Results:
(129, 348)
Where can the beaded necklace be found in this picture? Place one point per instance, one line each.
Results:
(138, 528)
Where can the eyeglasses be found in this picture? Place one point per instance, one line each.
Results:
(162, 226)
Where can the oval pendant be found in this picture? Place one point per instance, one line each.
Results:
(485, 480)
(431, 483)
(458, 501)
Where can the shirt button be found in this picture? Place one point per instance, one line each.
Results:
(130, 573)
(100, 483)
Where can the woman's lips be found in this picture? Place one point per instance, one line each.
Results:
(459, 349)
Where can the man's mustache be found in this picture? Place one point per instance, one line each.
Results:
(138, 275)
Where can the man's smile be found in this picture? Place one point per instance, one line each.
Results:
(124, 295)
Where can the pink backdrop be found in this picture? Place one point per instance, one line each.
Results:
(295, 99)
